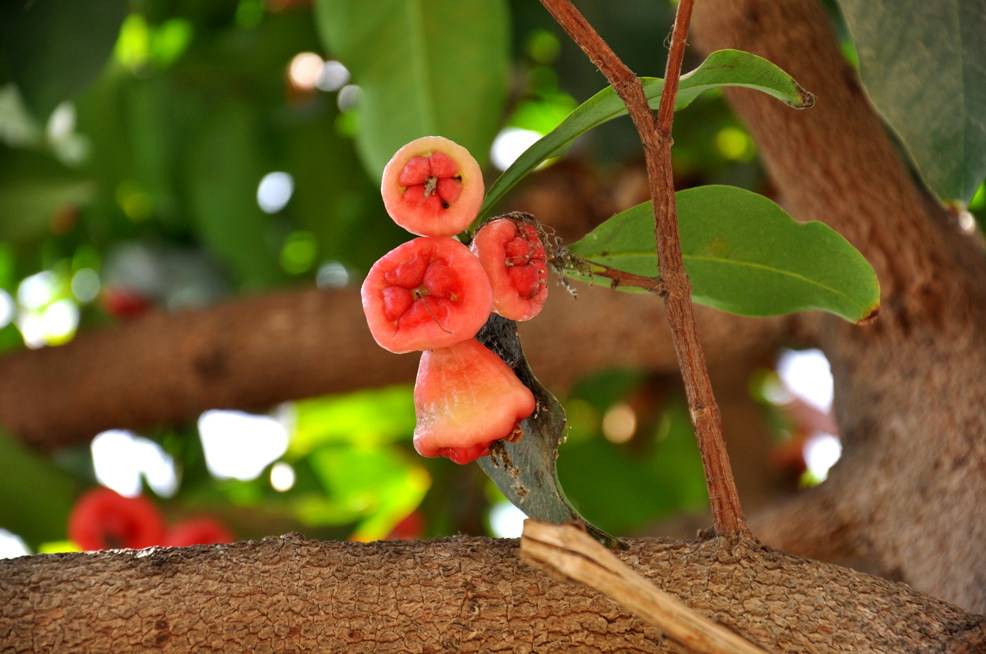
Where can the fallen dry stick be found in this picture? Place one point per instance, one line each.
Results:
(569, 550)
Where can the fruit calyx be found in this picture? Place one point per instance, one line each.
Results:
(428, 293)
(432, 187)
(466, 398)
(511, 250)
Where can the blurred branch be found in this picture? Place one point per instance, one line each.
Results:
(255, 352)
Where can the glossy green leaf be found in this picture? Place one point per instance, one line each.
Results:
(721, 68)
(53, 49)
(745, 255)
(924, 66)
(425, 67)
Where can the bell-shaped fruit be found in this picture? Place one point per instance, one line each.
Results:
(514, 257)
(104, 519)
(465, 398)
(432, 187)
(425, 294)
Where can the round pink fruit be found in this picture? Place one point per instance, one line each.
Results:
(103, 519)
(465, 398)
(514, 257)
(425, 294)
(432, 187)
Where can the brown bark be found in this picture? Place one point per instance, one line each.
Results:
(255, 352)
(908, 492)
(458, 594)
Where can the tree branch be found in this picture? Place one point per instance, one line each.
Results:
(655, 134)
(571, 552)
(454, 594)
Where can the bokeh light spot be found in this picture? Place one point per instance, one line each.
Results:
(808, 375)
(282, 477)
(333, 77)
(332, 274)
(305, 70)
(506, 520)
(86, 285)
(619, 423)
(274, 191)
(240, 445)
(509, 144)
(122, 458)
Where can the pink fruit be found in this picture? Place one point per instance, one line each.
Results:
(465, 398)
(432, 187)
(513, 256)
(103, 519)
(425, 294)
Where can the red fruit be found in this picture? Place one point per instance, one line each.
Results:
(432, 187)
(103, 519)
(412, 527)
(204, 530)
(427, 293)
(124, 303)
(513, 256)
(466, 397)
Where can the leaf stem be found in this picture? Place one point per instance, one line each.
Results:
(655, 134)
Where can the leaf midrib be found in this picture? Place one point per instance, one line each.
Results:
(742, 264)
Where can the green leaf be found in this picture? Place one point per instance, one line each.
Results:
(37, 496)
(743, 254)
(53, 49)
(924, 66)
(224, 169)
(425, 67)
(721, 68)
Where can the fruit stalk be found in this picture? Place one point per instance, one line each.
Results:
(655, 134)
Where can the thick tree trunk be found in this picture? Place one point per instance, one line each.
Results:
(460, 594)
(909, 395)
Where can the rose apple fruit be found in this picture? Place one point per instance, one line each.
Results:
(432, 187)
(103, 519)
(465, 398)
(428, 293)
(513, 255)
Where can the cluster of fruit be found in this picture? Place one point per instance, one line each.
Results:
(103, 519)
(433, 294)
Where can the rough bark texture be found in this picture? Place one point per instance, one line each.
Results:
(255, 352)
(452, 595)
(907, 494)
